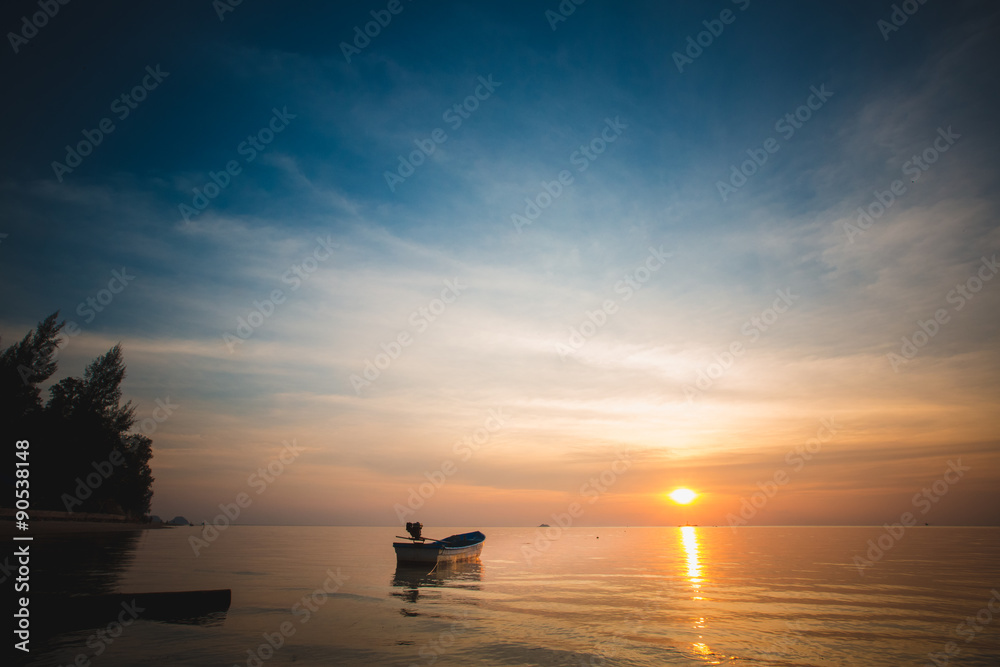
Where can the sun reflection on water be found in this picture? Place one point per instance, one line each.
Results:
(689, 539)
(706, 654)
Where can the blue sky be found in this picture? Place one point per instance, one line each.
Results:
(321, 184)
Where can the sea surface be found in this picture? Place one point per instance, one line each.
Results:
(579, 596)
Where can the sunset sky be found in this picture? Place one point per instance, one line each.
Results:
(583, 247)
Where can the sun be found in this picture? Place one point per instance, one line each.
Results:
(683, 496)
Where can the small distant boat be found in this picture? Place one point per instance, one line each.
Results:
(453, 549)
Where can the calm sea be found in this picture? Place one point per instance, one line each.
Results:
(591, 596)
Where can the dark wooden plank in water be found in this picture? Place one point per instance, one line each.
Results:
(159, 606)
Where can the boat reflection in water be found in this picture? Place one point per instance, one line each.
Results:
(409, 579)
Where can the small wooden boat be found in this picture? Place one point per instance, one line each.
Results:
(454, 549)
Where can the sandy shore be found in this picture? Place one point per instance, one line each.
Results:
(36, 528)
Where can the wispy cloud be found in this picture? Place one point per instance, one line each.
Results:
(358, 265)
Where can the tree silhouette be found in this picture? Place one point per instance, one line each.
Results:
(23, 366)
(87, 459)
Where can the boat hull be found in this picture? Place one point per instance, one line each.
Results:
(454, 549)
